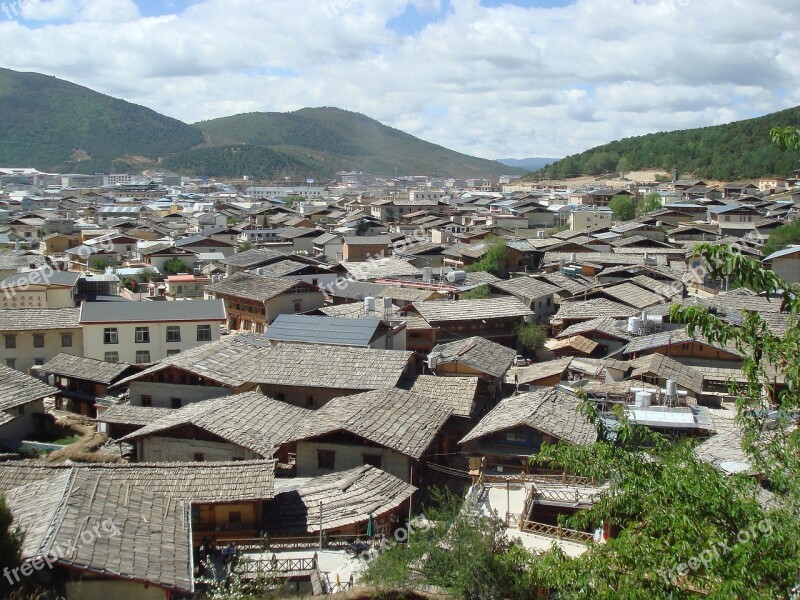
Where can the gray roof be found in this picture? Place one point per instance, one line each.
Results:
(400, 420)
(477, 353)
(251, 286)
(725, 451)
(78, 367)
(254, 258)
(125, 414)
(17, 388)
(633, 295)
(38, 319)
(21, 260)
(41, 277)
(677, 336)
(526, 289)
(549, 411)
(434, 311)
(456, 392)
(367, 240)
(605, 325)
(250, 420)
(538, 371)
(347, 498)
(149, 312)
(381, 268)
(323, 330)
(686, 377)
(591, 309)
(56, 512)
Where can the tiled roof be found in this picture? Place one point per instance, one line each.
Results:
(571, 285)
(17, 388)
(592, 309)
(456, 392)
(253, 258)
(250, 420)
(549, 411)
(477, 353)
(323, 330)
(125, 414)
(434, 311)
(15, 260)
(39, 319)
(633, 295)
(149, 312)
(252, 287)
(578, 343)
(526, 289)
(605, 325)
(400, 420)
(347, 498)
(367, 240)
(67, 365)
(136, 534)
(381, 268)
(669, 338)
(686, 377)
(281, 268)
(538, 371)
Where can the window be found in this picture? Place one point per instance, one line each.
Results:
(38, 340)
(142, 335)
(173, 333)
(326, 459)
(373, 459)
(147, 400)
(516, 438)
(173, 352)
(549, 301)
(142, 356)
(310, 401)
(111, 357)
(199, 457)
(298, 306)
(38, 361)
(176, 402)
(110, 335)
(11, 363)
(66, 340)
(204, 333)
(11, 341)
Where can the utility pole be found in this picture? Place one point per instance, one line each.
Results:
(320, 525)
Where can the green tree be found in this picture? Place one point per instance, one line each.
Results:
(175, 266)
(98, 264)
(479, 293)
(623, 166)
(10, 547)
(146, 274)
(362, 227)
(531, 336)
(245, 246)
(782, 237)
(622, 207)
(648, 204)
(495, 260)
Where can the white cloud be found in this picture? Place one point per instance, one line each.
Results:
(505, 81)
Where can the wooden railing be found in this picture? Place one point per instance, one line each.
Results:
(574, 496)
(535, 478)
(556, 531)
(275, 567)
(287, 542)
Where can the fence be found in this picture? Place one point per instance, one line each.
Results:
(556, 531)
(288, 542)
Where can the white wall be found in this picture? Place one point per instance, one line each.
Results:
(162, 393)
(164, 449)
(349, 457)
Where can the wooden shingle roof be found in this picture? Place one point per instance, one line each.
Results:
(67, 365)
(435, 311)
(17, 388)
(456, 392)
(477, 353)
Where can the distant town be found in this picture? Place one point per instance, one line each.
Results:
(203, 376)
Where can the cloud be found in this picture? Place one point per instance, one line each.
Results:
(499, 80)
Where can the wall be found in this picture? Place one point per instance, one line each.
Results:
(103, 589)
(162, 393)
(94, 346)
(25, 355)
(25, 426)
(304, 396)
(349, 457)
(788, 267)
(166, 449)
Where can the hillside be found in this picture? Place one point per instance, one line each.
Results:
(531, 164)
(332, 139)
(738, 150)
(48, 123)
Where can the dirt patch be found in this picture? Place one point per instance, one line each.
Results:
(85, 449)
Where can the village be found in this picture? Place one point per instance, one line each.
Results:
(275, 378)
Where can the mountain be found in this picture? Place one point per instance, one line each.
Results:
(332, 139)
(738, 150)
(530, 164)
(52, 124)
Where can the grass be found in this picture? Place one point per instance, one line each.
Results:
(67, 440)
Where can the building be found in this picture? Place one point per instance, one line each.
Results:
(35, 336)
(368, 332)
(360, 248)
(22, 412)
(786, 263)
(145, 332)
(582, 220)
(492, 318)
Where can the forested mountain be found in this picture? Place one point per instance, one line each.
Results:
(741, 149)
(336, 139)
(51, 124)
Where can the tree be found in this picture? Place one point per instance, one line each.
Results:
(362, 227)
(175, 266)
(623, 166)
(494, 260)
(244, 247)
(786, 138)
(648, 204)
(531, 336)
(98, 264)
(146, 274)
(10, 547)
(622, 207)
(479, 293)
(782, 237)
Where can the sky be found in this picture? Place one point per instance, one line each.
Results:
(492, 78)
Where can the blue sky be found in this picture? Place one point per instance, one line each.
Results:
(493, 78)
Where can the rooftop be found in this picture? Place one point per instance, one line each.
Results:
(323, 330)
(476, 353)
(38, 319)
(435, 311)
(151, 312)
(78, 367)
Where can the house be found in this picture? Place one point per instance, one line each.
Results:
(145, 332)
(519, 425)
(492, 318)
(785, 263)
(610, 334)
(359, 248)
(381, 268)
(118, 420)
(40, 288)
(368, 332)
(474, 356)
(388, 428)
(158, 255)
(329, 245)
(679, 344)
(180, 287)
(34, 336)
(538, 295)
(544, 374)
(25, 260)
(301, 238)
(244, 426)
(253, 301)
(22, 412)
(81, 382)
(251, 259)
(203, 243)
(458, 392)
